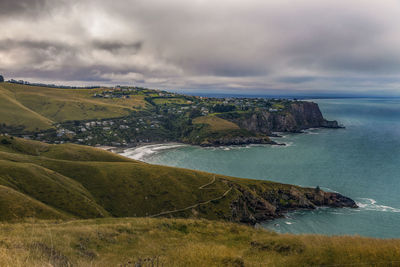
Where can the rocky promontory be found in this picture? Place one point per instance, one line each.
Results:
(255, 205)
(237, 140)
(256, 126)
(298, 116)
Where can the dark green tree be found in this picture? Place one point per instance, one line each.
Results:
(1, 79)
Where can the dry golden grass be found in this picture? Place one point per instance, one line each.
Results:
(39, 107)
(215, 123)
(181, 242)
(14, 113)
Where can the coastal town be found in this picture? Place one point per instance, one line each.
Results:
(166, 116)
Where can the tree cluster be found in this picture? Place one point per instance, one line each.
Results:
(223, 108)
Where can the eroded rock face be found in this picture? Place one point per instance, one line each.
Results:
(254, 206)
(299, 116)
(226, 141)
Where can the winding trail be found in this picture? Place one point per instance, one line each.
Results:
(195, 205)
(207, 184)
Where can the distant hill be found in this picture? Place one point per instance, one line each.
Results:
(122, 116)
(73, 181)
(38, 108)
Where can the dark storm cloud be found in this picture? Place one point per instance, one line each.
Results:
(236, 45)
(16, 8)
(115, 46)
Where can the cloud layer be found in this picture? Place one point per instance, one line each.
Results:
(253, 46)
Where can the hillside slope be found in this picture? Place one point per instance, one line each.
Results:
(38, 108)
(181, 242)
(15, 114)
(84, 182)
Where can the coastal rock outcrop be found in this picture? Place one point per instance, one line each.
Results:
(298, 116)
(254, 205)
(237, 140)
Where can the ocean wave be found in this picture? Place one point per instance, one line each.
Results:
(312, 131)
(370, 204)
(328, 189)
(143, 152)
(287, 144)
(233, 147)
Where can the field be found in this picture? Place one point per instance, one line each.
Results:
(161, 101)
(215, 123)
(181, 242)
(40, 107)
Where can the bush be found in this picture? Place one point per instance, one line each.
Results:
(5, 142)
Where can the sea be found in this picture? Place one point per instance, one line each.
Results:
(361, 161)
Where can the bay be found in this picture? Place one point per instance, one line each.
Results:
(361, 161)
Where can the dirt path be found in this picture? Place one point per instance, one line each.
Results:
(198, 204)
(207, 184)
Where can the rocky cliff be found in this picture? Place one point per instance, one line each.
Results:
(295, 117)
(255, 205)
(236, 140)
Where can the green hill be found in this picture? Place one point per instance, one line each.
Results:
(85, 182)
(13, 113)
(215, 123)
(15, 205)
(38, 108)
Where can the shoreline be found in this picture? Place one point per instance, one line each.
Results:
(156, 147)
(144, 151)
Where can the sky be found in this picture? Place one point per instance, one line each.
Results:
(296, 47)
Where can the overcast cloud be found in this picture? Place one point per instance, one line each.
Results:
(252, 46)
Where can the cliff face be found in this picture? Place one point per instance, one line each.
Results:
(237, 140)
(298, 116)
(254, 205)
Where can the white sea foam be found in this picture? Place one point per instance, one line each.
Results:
(312, 131)
(370, 204)
(289, 223)
(328, 189)
(287, 144)
(142, 152)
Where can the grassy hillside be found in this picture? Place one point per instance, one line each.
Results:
(14, 113)
(85, 182)
(181, 242)
(37, 108)
(215, 123)
(80, 180)
(15, 205)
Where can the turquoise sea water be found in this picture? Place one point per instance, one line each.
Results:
(361, 161)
